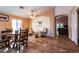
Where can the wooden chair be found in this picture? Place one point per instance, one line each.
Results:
(5, 39)
(6, 34)
(4, 43)
(24, 36)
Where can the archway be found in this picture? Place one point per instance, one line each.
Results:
(61, 25)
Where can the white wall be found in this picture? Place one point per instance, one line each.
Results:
(73, 21)
(45, 24)
(74, 28)
(62, 10)
(52, 23)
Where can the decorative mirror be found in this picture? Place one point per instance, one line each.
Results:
(39, 24)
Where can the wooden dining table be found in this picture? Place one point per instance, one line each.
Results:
(16, 38)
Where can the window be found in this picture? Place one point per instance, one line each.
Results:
(16, 25)
(59, 26)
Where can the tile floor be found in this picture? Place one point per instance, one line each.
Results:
(48, 45)
(51, 45)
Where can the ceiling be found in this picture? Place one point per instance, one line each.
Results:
(16, 10)
(26, 12)
(59, 10)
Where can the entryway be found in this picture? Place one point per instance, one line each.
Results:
(61, 25)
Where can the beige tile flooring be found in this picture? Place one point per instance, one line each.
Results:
(51, 45)
(48, 45)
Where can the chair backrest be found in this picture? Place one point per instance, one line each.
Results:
(24, 34)
(4, 43)
(5, 34)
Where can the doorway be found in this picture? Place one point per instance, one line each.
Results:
(78, 25)
(61, 25)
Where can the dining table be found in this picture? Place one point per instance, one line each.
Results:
(16, 38)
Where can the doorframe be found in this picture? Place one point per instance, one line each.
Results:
(78, 25)
(55, 24)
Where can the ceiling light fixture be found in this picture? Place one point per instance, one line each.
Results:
(32, 14)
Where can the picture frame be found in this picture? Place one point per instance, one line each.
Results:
(4, 17)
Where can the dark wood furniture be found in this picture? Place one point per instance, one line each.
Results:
(4, 43)
(5, 34)
(24, 36)
(15, 38)
(20, 39)
(5, 39)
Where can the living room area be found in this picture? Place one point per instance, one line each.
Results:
(32, 29)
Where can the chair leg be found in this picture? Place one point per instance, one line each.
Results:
(8, 45)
